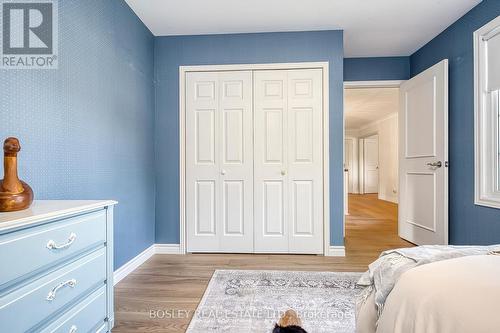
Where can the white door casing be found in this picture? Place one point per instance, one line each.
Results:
(423, 156)
(219, 149)
(288, 174)
(371, 164)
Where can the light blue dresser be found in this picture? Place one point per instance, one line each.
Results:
(56, 268)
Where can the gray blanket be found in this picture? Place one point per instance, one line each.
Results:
(383, 273)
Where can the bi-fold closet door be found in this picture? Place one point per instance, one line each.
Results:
(288, 164)
(254, 175)
(219, 162)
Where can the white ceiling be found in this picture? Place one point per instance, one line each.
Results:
(363, 106)
(372, 27)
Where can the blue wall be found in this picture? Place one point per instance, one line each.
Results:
(469, 224)
(94, 127)
(372, 69)
(86, 129)
(172, 52)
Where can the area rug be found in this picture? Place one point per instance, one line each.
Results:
(253, 301)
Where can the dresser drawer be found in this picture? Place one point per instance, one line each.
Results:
(36, 249)
(88, 315)
(26, 308)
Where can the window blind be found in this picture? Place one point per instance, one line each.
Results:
(493, 49)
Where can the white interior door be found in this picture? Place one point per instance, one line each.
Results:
(288, 197)
(270, 161)
(370, 158)
(305, 160)
(349, 163)
(219, 158)
(423, 156)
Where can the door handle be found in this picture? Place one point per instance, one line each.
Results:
(223, 172)
(283, 172)
(437, 164)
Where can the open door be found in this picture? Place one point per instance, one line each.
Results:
(423, 157)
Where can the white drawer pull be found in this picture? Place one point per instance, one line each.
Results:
(73, 329)
(52, 294)
(51, 245)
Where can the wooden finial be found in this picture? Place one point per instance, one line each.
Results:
(11, 146)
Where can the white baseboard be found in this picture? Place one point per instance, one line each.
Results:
(141, 258)
(388, 197)
(336, 251)
(130, 266)
(168, 249)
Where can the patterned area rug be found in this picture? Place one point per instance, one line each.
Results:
(253, 301)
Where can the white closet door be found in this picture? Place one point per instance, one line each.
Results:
(202, 165)
(270, 156)
(288, 181)
(219, 162)
(305, 161)
(236, 164)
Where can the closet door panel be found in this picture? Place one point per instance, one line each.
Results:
(236, 161)
(270, 180)
(305, 160)
(254, 161)
(202, 166)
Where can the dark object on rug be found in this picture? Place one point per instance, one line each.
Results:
(289, 323)
(14, 194)
(288, 329)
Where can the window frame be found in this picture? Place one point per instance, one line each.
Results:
(486, 123)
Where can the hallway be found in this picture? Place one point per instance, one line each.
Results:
(371, 226)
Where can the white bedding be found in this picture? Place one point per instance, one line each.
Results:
(384, 272)
(459, 295)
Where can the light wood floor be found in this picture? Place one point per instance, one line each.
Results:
(177, 282)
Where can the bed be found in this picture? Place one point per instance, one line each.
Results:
(445, 296)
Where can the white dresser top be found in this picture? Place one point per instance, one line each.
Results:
(42, 210)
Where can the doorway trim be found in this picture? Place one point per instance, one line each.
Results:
(183, 70)
(373, 84)
(359, 85)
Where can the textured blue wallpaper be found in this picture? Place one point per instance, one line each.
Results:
(99, 127)
(86, 129)
(469, 224)
(379, 68)
(172, 52)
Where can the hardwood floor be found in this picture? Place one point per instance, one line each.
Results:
(174, 284)
(371, 227)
